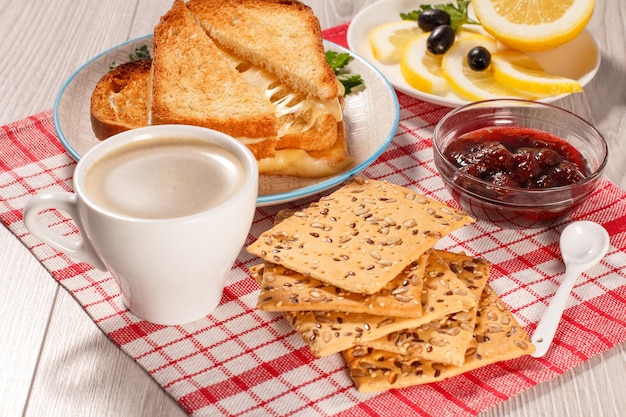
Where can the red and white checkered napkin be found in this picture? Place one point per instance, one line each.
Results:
(244, 362)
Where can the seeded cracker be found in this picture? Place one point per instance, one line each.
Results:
(370, 229)
(497, 337)
(256, 271)
(328, 332)
(286, 290)
(444, 340)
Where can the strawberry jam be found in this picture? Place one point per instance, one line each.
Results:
(517, 157)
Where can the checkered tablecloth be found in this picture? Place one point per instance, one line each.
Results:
(241, 361)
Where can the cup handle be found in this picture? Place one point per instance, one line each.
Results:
(66, 202)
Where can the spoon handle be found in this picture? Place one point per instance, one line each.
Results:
(544, 333)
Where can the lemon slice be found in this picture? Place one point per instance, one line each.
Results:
(475, 85)
(533, 25)
(520, 71)
(422, 69)
(387, 41)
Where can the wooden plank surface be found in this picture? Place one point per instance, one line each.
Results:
(27, 296)
(54, 361)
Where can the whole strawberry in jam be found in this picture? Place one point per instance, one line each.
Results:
(517, 157)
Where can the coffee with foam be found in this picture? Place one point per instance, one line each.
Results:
(165, 209)
(164, 178)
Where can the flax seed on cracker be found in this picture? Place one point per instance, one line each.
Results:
(373, 229)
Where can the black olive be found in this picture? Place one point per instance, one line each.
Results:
(431, 18)
(440, 39)
(478, 58)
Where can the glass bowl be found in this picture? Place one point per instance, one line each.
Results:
(511, 206)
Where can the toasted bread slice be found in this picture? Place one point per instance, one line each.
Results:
(120, 100)
(306, 131)
(277, 46)
(191, 85)
(304, 122)
(281, 36)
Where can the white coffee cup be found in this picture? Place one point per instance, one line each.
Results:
(170, 260)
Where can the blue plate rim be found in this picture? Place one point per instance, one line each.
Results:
(270, 199)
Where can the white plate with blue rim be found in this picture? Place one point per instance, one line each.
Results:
(371, 118)
(578, 59)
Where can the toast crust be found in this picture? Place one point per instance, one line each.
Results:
(120, 100)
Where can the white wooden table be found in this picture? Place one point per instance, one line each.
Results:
(54, 361)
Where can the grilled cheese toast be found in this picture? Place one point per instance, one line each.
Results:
(191, 85)
(304, 121)
(277, 45)
(290, 118)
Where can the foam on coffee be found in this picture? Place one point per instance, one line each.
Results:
(164, 178)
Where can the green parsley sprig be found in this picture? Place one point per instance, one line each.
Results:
(458, 14)
(338, 61)
(140, 53)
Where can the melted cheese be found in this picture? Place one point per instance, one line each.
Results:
(250, 141)
(290, 106)
(312, 164)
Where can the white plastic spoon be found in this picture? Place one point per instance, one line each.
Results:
(583, 244)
